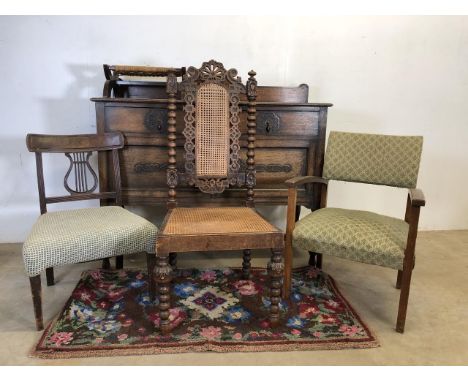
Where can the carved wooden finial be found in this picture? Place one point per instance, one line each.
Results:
(172, 176)
(250, 180)
(252, 86)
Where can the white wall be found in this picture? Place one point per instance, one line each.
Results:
(391, 75)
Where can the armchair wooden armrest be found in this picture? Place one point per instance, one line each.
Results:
(291, 220)
(300, 180)
(417, 198)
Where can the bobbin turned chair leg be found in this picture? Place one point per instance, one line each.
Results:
(37, 300)
(246, 264)
(163, 276)
(276, 268)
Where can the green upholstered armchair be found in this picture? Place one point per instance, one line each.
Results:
(360, 235)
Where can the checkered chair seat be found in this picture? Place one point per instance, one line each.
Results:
(74, 236)
(361, 236)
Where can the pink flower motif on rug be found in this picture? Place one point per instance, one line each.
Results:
(307, 310)
(84, 294)
(349, 330)
(211, 332)
(176, 317)
(122, 337)
(208, 276)
(96, 275)
(247, 287)
(60, 338)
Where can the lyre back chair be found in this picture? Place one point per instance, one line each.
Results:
(80, 235)
(361, 235)
(212, 134)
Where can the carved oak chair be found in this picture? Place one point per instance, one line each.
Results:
(360, 235)
(75, 236)
(211, 97)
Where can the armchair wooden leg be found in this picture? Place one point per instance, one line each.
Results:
(50, 276)
(163, 276)
(276, 269)
(246, 264)
(404, 296)
(106, 263)
(150, 264)
(315, 260)
(119, 262)
(298, 212)
(37, 300)
(398, 280)
(173, 260)
(318, 262)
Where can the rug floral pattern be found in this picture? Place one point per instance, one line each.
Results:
(213, 309)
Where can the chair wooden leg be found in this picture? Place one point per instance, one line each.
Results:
(276, 269)
(151, 263)
(119, 262)
(50, 276)
(288, 253)
(315, 260)
(37, 300)
(318, 261)
(246, 264)
(398, 280)
(163, 276)
(106, 263)
(311, 259)
(173, 260)
(404, 296)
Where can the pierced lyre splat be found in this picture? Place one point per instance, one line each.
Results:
(79, 163)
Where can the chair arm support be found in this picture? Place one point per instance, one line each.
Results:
(417, 198)
(299, 180)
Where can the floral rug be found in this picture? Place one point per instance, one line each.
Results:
(110, 313)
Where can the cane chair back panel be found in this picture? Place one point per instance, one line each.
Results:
(211, 97)
(212, 131)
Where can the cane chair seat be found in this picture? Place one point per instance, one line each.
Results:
(212, 228)
(73, 236)
(206, 221)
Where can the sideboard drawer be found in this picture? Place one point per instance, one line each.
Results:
(145, 166)
(153, 120)
(284, 123)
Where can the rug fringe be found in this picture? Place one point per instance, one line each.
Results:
(154, 350)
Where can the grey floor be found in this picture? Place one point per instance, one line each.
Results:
(436, 329)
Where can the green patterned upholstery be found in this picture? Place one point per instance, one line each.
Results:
(73, 236)
(355, 235)
(370, 158)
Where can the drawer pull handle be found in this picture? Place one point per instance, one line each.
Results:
(267, 127)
